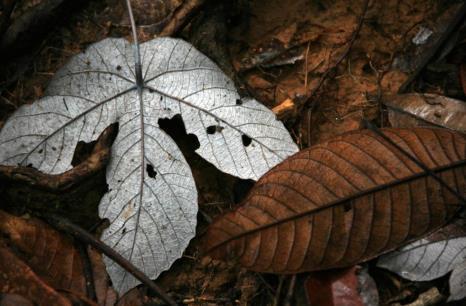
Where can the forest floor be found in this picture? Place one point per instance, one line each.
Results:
(322, 66)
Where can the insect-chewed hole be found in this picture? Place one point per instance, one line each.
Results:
(214, 128)
(246, 140)
(150, 171)
(175, 128)
(239, 102)
(118, 67)
(347, 206)
(211, 129)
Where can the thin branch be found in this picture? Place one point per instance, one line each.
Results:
(87, 238)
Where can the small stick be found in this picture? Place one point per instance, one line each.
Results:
(136, 51)
(87, 238)
(289, 294)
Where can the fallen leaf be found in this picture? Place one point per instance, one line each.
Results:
(53, 257)
(341, 287)
(431, 257)
(343, 202)
(152, 197)
(434, 109)
(17, 277)
(458, 283)
(11, 299)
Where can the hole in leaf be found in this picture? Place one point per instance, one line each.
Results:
(175, 128)
(347, 206)
(246, 140)
(84, 149)
(214, 128)
(211, 129)
(150, 171)
(118, 67)
(239, 102)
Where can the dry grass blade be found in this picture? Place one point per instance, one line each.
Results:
(344, 201)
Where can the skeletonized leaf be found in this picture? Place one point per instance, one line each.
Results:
(151, 203)
(431, 257)
(458, 283)
(344, 201)
(435, 109)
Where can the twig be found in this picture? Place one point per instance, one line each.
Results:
(276, 299)
(87, 269)
(181, 17)
(87, 238)
(136, 51)
(59, 182)
(434, 49)
(289, 294)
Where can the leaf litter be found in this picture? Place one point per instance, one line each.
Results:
(151, 203)
(333, 121)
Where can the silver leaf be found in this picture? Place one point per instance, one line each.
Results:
(151, 203)
(424, 260)
(458, 283)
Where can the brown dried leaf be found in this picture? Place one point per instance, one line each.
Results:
(343, 202)
(431, 108)
(54, 258)
(11, 299)
(17, 277)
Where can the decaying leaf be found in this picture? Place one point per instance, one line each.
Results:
(458, 283)
(431, 257)
(344, 201)
(52, 257)
(151, 203)
(18, 278)
(434, 109)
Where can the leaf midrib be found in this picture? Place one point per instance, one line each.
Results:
(338, 202)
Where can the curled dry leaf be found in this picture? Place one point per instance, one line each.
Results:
(434, 109)
(344, 201)
(53, 257)
(151, 202)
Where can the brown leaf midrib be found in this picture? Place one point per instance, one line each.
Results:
(341, 201)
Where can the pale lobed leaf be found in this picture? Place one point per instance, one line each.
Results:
(151, 203)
